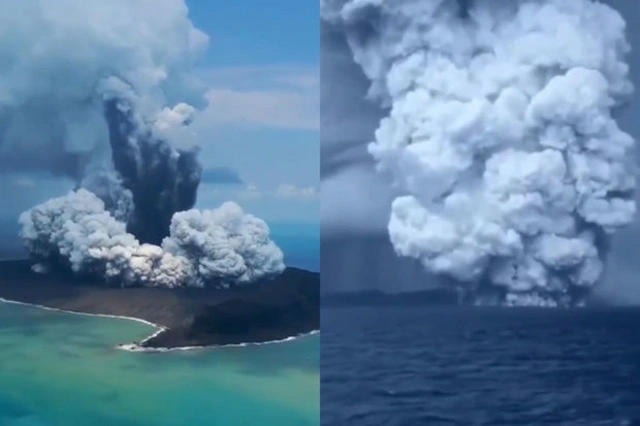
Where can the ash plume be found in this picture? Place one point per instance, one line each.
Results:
(162, 180)
(205, 248)
(85, 94)
(103, 93)
(501, 135)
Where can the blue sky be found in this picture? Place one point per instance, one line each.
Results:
(262, 122)
(285, 32)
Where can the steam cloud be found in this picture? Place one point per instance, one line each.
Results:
(501, 135)
(220, 247)
(103, 93)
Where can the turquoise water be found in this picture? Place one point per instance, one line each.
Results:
(60, 369)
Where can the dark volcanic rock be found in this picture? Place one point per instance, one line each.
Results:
(274, 309)
(271, 311)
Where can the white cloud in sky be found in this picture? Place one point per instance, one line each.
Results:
(282, 97)
(251, 191)
(291, 191)
(284, 191)
(263, 108)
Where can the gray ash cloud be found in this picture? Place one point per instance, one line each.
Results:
(500, 137)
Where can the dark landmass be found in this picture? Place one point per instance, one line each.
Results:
(432, 297)
(266, 310)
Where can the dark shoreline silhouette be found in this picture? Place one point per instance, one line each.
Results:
(432, 297)
(285, 306)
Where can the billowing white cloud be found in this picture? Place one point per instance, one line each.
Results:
(216, 247)
(71, 55)
(500, 135)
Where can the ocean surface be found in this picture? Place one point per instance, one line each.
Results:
(300, 243)
(403, 366)
(59, 369)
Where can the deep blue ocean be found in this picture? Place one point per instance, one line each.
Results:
(300, 243)
(403, 366)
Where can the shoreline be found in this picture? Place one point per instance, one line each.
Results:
(268, 310)
(133, 347)
(136, 347)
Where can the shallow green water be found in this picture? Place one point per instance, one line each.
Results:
(60, 369)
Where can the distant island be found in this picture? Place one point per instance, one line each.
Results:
(267, 310)
(440, 296)
(431, 297)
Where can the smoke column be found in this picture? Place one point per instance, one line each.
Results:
(500, 134)
(102, 92)
(161, 179)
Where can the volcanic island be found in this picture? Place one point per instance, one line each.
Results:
(269, 309)
(128, 242)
